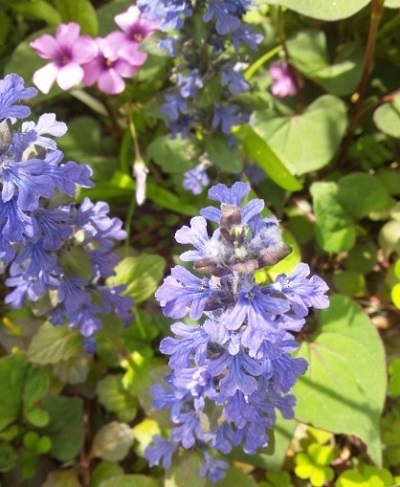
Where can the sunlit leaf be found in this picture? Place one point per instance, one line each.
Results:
(323, 9)
(339, 354)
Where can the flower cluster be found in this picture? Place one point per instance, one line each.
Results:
(207, 41)
(106, 61)
(234, 368)
(52, 249)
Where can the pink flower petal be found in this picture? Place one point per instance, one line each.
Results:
(69, 75)
(84, 50)
(125, 69)
(46, 47)
(127, 19)
(67, 34)
(130, 51)
(92, 71)
(44, 77)
(110, 82)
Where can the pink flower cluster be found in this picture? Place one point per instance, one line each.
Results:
(79, 59)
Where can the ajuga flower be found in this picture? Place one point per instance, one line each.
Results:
(235, 364)
(47, 243)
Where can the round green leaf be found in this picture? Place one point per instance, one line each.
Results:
(350, 283)
(387, 117)
(54, 343)
(323, 9)
(361, 194)
(114, 397)
(342, 391)
(37, 417)
(308, 141)
(112, 442)
(130, 481)
(173, 155)
(334, 230)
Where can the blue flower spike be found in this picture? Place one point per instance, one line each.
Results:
(236, 363)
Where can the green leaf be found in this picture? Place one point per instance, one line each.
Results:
(37, 417)
(115, 398)
(350, 283)
(170, 201)
(106, 15)
(8, 457)
(53, 344)
(362, 258)
(66, 427)
(323, 9)
(339, 356)
(283, 434)
(185, 471)
(387, 117)
(392, 3)
(258, 149)
(375, 196)
(140, 274)
(394, 372)
(308, 52)
(14, 375)
(63, 478)
(130, 481)
(236, 477)
(81, 12)
(112, 442)
(72, 371)
(104, 471)
(38, 10)
(173, 155)
(334, 230)
(308, 141)
(229, 160)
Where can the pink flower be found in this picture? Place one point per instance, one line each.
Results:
(67, 50)
(135, 29)
(108, 68)
(284, 84)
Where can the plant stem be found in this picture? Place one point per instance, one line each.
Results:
(357, 113)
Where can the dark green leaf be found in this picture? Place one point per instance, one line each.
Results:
(229, 160)
(66, 427)
(375, 197)
(80, 11)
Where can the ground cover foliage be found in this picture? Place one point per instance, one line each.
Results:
(215, 171)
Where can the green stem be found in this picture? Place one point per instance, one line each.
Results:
(250, 71)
